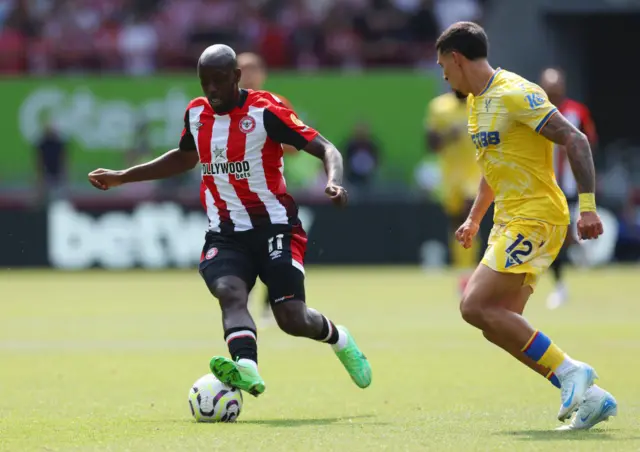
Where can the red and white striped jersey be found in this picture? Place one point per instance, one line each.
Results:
(579, 115)
(243, 185)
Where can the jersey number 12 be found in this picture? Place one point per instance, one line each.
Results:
(513, 254)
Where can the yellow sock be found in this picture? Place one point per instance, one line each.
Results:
(552, 358)
(540, 349)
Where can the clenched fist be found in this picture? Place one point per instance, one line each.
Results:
(467, 232)
(337, 194)
(104, 179)
(589, 226)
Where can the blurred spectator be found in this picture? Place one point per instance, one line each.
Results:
(12, 50)
(51, 164)
(137, 44)
(141, 36)
(450, 11)
(383, 27)
(361, 158)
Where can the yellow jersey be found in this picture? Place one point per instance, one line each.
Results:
(517, 162)
(457, 156)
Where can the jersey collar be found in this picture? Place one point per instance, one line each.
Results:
(242, 98)
(489, 83)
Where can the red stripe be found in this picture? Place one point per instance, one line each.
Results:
(241, 336)
(272, 163)
(236, 151)
(298, 244)
(204, 147)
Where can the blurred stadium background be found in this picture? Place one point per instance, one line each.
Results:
(104, 83)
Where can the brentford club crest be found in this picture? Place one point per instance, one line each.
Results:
(211, 253)
(247, 124)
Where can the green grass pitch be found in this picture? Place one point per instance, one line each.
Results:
(103, 361)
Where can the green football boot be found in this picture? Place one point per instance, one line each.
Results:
(354, 361)
(236, 375)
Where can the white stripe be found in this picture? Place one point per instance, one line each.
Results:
(282, 171)
(212, 210)
(237, 211)
(297, 265)
(194, 119)
(232, 336)
(258, 179)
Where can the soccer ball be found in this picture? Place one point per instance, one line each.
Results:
(211, 400)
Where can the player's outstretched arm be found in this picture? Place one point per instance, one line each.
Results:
(323, 149)
(559, 130)
(169, 164)
(562, 132)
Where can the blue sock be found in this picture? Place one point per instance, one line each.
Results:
(553, 379)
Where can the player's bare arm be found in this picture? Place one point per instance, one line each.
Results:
(468, 230)
(323, 149)
(578, 150)
(576, 144)
(483, 201)
(167, 165)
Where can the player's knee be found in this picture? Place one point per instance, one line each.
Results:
(230, 292)
(292, 317)
(472, 311)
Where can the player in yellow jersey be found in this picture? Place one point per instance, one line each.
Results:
(446, 128)
(514, 126)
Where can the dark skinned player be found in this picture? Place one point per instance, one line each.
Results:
(254, 76)
(254, 231)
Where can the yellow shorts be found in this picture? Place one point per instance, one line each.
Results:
(524, 246)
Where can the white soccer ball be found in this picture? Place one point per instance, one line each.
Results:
(211, 400)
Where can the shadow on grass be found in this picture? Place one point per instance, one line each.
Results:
(307, 422)
(572, 435)
(282, 422)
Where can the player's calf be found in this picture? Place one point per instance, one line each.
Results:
(296, 319)
(241, 371)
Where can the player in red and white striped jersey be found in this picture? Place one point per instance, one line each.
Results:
(553, 82)
(254, 75)
(237, 135)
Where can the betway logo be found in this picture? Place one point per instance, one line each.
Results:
(151, 236)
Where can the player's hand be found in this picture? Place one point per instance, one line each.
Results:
(589, 226)
(104, 179)
(337, 194)
(467, 232)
